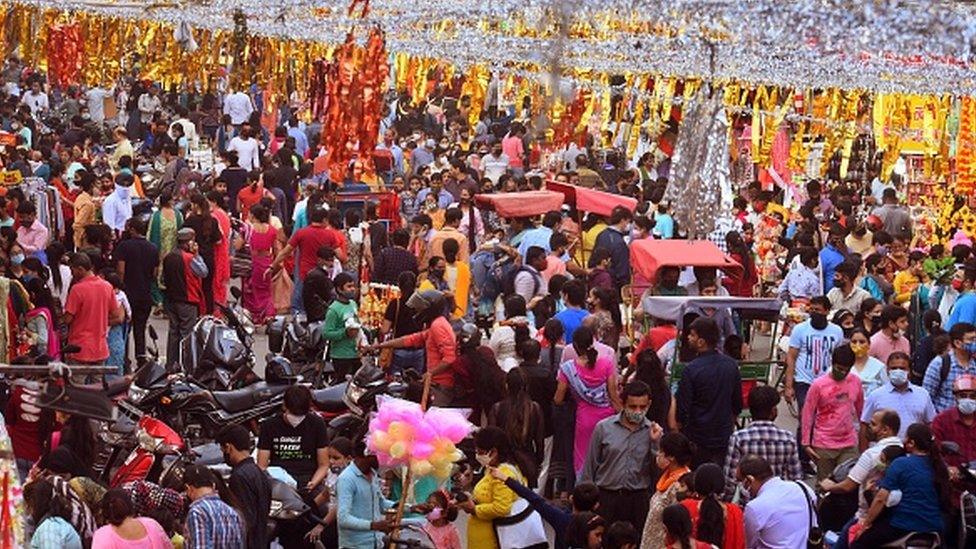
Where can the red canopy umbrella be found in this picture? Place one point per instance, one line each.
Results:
(592, 200)
(523, 204)
(647, 256)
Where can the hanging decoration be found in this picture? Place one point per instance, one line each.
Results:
(966, 160)
(353, 103)
(65, 49)
(700, 167)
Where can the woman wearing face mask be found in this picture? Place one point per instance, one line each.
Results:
(870, 370)
(868, 316)
(923, 479)
(672, 461)
(604, 316)
(15, 268)
(491, 499)
(592, 380)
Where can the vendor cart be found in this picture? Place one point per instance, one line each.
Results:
(766, 370)
(387, 205)
(592, 200)
(521, 204)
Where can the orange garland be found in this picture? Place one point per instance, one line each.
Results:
(354, 84)
(966, 160)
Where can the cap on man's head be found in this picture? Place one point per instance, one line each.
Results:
(185, 234)
(964, 383)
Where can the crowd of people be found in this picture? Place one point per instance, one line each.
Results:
(581, 419)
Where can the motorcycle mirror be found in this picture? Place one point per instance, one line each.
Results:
(236, 292)
(152, 333)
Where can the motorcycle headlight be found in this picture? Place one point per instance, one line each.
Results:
(354, 393)
(136, 393)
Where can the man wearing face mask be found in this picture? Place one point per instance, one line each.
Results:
(845, 294)
(623, 480)
(883, 431)
(832, 254)
(811, 345)
(32, 235)
(249, 483)
(117, 208)
(339, 330)
(835, 401)
(361, 503)
(958, 424)
(964, 310)
(945, 369)
(911, 402)
(891, 337)
(778, 514)
(612, 238)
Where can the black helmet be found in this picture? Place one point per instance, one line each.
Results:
(469, 337)
(278, 370)
(427, 304)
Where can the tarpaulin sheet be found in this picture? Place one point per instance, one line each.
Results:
(523, 204)
(647, 256)
(592, 200)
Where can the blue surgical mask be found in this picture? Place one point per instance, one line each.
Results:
(17, 259)
(970, 347)
(898, 377)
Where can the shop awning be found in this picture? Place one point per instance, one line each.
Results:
(592, 200)
(523, 204)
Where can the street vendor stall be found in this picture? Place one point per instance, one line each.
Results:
(521, 204)
(648, 256)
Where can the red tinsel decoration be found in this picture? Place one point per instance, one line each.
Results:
(65, 49)
(565, 130)
(347, 94)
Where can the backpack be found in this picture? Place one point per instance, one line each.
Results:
(943, 371)
(508, 282)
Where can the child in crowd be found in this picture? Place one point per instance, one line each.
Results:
(440, 521)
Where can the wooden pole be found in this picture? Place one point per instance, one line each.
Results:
(408, 478)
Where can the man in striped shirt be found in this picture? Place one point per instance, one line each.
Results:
(210, 523)
(764, 439)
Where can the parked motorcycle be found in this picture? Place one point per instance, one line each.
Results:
(217, 353)
(359, 398)
(304, 345)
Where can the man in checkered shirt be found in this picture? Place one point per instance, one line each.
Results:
(764, 439)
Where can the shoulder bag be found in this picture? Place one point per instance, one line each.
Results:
(815, 537)
(521, 529)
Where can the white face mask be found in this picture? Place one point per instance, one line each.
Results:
(483, 459)
(293, 420)
(898, 377)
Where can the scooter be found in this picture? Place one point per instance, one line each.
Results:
(217, 353)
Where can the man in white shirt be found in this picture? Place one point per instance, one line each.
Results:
(95, 99)
(495, 165)
(883, 429)
(149, 103)
(248, 150)
(239, 106)
(189, 128)
(780, 512)
(36, 99)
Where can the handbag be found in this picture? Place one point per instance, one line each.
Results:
(240, 263)
(815, 536)
(386, 354)
(522, 528)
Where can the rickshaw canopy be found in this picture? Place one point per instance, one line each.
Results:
(674, 308)
(522, 204)
(592, 200)
(647, 256)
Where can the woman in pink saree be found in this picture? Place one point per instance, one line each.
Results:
(592, 380)
(262, 239)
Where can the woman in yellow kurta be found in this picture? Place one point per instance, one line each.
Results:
(585, 248)
(491, 499)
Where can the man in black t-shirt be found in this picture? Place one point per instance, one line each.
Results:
(317, 290)
(137, 261)
(296, 441)
(249, 483)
